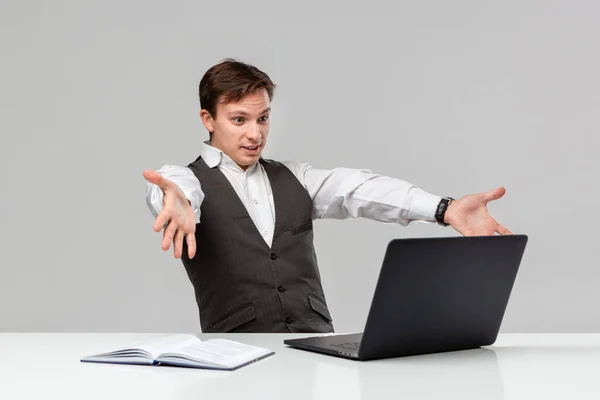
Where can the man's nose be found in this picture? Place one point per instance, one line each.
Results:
(255, 133)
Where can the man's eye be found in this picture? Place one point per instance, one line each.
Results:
(238, 120)
(264, 118)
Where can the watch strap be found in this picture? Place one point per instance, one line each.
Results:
(440, 212)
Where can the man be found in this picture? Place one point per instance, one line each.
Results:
(242, 225)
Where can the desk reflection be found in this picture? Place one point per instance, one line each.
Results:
(470, 374)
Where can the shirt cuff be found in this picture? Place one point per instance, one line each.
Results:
(423, 205)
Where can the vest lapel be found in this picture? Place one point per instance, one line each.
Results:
(274, 176)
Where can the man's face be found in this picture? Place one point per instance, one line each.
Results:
(240, 129)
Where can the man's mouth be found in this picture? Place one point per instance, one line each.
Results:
(251, 148)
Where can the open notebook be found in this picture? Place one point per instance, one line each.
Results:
(184, 351)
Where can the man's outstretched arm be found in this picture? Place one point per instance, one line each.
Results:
(342, 193)
(348, 193)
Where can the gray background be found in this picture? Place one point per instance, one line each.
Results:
(457, 97)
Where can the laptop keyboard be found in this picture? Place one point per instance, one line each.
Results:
(348, 345)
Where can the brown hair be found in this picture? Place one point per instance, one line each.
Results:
(230, 81)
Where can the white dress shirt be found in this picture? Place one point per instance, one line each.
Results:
(337, 193)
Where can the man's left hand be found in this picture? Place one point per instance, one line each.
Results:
(470, 217)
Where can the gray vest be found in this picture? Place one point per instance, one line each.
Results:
(242, 285)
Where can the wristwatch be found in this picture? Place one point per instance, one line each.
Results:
(441, 210)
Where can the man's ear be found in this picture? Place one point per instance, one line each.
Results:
(207, 120)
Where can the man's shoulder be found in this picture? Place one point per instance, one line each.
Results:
(296, 168)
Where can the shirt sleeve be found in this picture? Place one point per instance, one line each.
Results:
(187, 182)
(342, 193)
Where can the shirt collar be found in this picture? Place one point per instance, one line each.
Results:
(214, 157)
(211, 155)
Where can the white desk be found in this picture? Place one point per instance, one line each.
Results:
(47, 366)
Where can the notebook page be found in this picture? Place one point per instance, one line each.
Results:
(164, 343)
(153, 346)
(223, 352)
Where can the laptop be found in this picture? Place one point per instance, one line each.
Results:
(433, 295)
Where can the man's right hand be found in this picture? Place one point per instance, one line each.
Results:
(176, 214)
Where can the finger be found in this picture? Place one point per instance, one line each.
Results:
(191, 242)
(157, 179)
(502, 230)
(168, 235)
(161, 220)
(152, 176)
(178, 243)
(494, 194)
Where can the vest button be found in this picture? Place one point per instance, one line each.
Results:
(281, 289)
(289, 320)
(274, 256)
